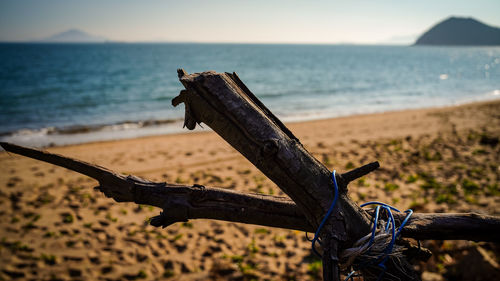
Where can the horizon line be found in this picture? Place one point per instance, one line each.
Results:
(206, 42)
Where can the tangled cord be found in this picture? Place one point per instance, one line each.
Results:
(378, 237)
(381, 240)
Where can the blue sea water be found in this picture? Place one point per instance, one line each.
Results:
(70, 93)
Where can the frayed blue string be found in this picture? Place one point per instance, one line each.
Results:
(316, 234)
(351, 275)
(409, 212)
(389, 247)
(375, 221)
(395, 233)
(391, 222)
(381, 204)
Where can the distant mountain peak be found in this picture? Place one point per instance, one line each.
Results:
(74, 36)
(460, 31)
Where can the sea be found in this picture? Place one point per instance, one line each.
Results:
(60, 94)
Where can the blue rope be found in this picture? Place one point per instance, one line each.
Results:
(409, 212)
(316, 234)
(381, 204)
(389, 247)
(390, 222)
(395, 233)
(375, 221)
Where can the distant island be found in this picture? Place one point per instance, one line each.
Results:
(73, 36)
(457, 31)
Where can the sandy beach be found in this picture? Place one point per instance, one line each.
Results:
(55, 226)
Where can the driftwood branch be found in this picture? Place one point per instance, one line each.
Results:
(182, 202)
(224, 103)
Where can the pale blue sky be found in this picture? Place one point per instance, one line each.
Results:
(260, 21)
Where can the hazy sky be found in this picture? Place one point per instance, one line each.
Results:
(266, 21)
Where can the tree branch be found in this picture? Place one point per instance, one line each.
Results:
(181, 203)
(452, 226)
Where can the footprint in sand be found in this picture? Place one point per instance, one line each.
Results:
(106, 269)
(13, 181)
(94, 259)
(12, 273)
(74, 272)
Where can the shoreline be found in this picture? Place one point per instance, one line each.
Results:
(73, 135)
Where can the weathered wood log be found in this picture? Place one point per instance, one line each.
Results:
(225, 104)
(184, 202)
(220, 101)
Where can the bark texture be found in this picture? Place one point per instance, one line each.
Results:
(225, 104)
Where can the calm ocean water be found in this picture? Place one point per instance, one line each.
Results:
(70, 93)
